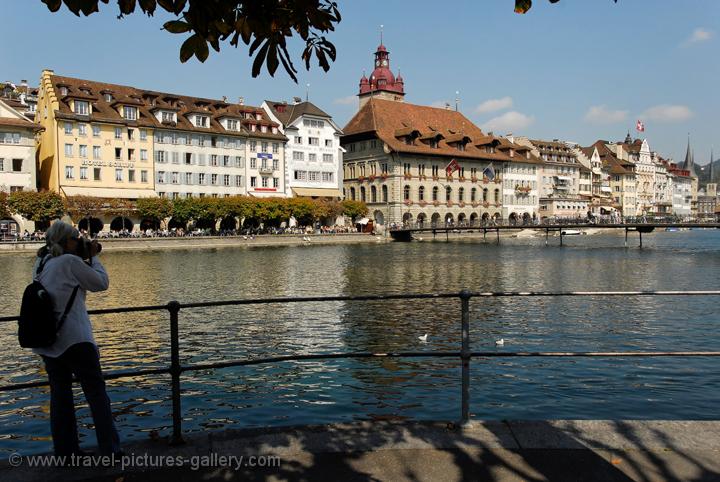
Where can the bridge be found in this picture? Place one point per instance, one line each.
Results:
(406, 233)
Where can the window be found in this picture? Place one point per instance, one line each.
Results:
(166, 116)
(131, 154)
(276, 148)
(232, 125)
(352, 193)
(118, 133)
(253, 146)
(131, 175)
(238, 181)
(298, 140)
(175, 177)
(213, 159)
(108, 97)
(118, 153)
(327, 177)
(473, 195)
(131, 134)
(461, 194)
(143, 155)
(213, 179)
(143, 134)
(161, 177)
(328, 142)
(421, 193)
(327, 158)
(118, 175)
(201, 178)
(68, 128)
(253, 181)
(264, 181)
(201, 121)
(188, 178)
(298, 156)
(406, 193)
(130, 112)
(276, 182)
(83, 151)
(16, 165)
(83, 173)
(300, 175)
(63, 91)
(226, 179)
(264, 146)
(239, 162)
(68, 150)
(82, 107)
(448, 193)
(314, 176)
(96, 173)
(314, 141)
(82, 129)
(253, 163)
(69, 172)
(96, 152)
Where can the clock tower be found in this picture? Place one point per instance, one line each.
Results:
(382, 83)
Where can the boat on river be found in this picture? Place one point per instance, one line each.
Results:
(571, 232)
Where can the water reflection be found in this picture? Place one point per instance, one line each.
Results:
(342, 390)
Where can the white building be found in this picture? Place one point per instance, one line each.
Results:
(17, 151)
(521, 193)
(313, 155)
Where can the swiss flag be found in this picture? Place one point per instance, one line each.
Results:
(452, 167)
(640, 126)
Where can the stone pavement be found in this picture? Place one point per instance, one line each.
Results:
(370, 451)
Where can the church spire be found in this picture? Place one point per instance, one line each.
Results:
(689, 164)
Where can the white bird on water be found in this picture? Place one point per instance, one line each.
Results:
(423, 338)
(500, 342)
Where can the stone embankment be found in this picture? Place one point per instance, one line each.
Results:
(211, 242)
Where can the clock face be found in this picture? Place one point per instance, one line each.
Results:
(384, 62)
(377, 63)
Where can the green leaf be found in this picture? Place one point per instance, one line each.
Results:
(187, 49)
(260, 59)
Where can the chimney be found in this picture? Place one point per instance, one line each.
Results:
(23, 83)
(224, 98)
(241, 100)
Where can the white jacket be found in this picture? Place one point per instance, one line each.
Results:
(60, 276)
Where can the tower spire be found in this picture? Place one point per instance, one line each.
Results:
(381, 34)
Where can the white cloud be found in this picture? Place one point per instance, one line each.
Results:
(667, 113)
(493, 105)
(699, 35)
(508, 122)
(600, 114)
(349, 100)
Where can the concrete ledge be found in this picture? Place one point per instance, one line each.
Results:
(512, 450)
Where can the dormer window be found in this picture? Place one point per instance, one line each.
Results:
(232, 125)
(81, 107)
(166, 116)
(253, 127)
(274, 130)
(460, 146)
(202, 121)
(258, 116)
(108, 98)
(434, 143)
(130, 112)
(263, 128)
(63, 91)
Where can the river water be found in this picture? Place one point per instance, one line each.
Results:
(421, 389)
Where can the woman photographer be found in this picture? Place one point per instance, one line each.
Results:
(66, 262)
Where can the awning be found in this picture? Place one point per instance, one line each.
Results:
(363, 221)
(316, 192)
(110, 192)
(563, 178)
(605, 189)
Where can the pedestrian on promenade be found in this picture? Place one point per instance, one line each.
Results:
(60, 269)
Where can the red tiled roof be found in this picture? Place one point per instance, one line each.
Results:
(149, 101)
(384, 118)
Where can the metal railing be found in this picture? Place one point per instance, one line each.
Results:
(465, 354)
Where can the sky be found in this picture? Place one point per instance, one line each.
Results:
(576, 70)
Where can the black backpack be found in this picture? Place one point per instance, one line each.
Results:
(38, 326)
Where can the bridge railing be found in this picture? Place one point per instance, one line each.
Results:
(464, 354)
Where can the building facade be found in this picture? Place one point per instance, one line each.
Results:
(17, 151)
(313, 155)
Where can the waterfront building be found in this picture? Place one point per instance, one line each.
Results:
(396, 159)
(708, 201)
(638, 152)
(521, 192)
(96, 139)
(601, 202)
(622, 177)
(17, 150)
(682, 189)
(560, 180)
(313, 155)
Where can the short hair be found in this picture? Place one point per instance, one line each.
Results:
(57, 235)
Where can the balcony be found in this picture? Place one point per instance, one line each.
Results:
(266, 170)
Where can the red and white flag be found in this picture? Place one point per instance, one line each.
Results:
(640, 126)
(452, 167)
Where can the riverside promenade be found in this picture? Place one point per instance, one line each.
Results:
(422, 451)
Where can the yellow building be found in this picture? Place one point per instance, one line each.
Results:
(95, 141)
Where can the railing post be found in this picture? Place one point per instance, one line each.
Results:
(465, 357)
(174, 309)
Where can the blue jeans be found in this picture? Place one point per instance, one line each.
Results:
(82, 360)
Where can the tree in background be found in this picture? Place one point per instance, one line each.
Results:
(79, 207)
(40, 207)
(353, 209)
(156, 209)
(4, 210)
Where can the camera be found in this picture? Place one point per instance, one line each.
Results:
(84, 248)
